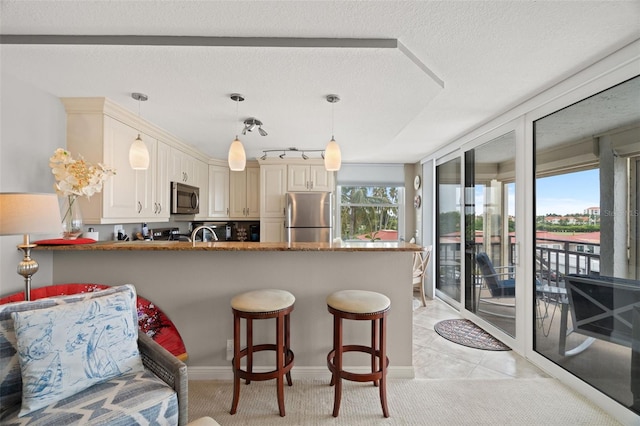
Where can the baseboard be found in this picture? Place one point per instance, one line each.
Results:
(224, 373)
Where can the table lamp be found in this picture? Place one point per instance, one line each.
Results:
(22, 213)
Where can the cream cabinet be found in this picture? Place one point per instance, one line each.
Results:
(162, 200)
(272, 230)
(302, 177)
(183, 167)
(131, 195)
(218, 206)
(244, 194)
(273, 187)
(201, 173)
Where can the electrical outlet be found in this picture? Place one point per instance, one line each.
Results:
(229, 350)
(117, 228)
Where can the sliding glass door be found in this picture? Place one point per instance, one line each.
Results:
(587, 294)
(490, 284)
(448, 206)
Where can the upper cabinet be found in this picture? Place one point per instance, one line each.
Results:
(218, 192)
(303, 177)
(102, 132)
(201, 180)
(183, 167)
(244, 193)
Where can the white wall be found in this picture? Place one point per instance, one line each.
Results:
(32, 126)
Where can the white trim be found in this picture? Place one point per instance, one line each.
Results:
(225, 373)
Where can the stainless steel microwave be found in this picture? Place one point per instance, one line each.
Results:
(185, 199)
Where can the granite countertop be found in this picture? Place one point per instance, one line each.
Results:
(232, 246)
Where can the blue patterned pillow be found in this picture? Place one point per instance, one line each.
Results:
(10, 376)
(67, 348)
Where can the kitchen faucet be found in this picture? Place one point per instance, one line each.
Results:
(195, 231)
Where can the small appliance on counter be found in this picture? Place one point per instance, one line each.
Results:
(254, 232)
(167, 234)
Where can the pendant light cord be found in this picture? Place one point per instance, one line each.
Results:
(332, 118)
(237, 116)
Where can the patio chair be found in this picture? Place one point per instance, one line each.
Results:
(420, 264)
(500, 284)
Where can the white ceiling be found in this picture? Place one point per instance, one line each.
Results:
(489, 55)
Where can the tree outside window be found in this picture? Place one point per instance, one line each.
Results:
(369, 213)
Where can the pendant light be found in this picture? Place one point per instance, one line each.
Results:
(332, 155)
(138, 152)
(237, 157)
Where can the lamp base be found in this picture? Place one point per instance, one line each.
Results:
(27, 267)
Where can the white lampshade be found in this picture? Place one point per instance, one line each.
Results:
(332, 156)
(22, 213)
(237, 157)
(139, 155)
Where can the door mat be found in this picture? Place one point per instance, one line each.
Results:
(466, 333)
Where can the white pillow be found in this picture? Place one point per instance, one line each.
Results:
(67, 348)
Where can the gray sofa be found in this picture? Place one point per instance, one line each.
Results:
(157, 395)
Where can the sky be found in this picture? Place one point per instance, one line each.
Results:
(563, 194)
(568, 193)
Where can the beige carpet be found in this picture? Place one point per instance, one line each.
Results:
(411, 402)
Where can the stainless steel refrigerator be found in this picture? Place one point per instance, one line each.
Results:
(309, 217)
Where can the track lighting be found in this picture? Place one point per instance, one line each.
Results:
(250, 124)
(286, 151)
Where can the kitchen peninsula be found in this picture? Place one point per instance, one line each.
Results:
(194, 283)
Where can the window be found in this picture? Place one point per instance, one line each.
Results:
(370, 213)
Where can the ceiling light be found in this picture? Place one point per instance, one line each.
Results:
(250, 124)
(237, 158)
(138, 152)
(289, 151)
(332, 156)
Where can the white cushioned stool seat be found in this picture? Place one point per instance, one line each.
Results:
(262, 300)
(358, 301)
(204, 421)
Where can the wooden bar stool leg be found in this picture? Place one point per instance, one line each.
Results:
(287, 345)
(249, 347)
(383, 365)
(236, 363)
(374, 348)
(337, 380)
(280, 363)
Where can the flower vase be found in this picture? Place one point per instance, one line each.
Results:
(71, 218)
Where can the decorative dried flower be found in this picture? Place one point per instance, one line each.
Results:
(77, 177)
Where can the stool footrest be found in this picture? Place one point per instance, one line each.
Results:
(355, 377)
(266, 375)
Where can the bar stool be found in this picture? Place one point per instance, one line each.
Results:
(262, 304)
(359, 305)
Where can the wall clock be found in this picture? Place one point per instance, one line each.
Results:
(417, 201)
(416, 182)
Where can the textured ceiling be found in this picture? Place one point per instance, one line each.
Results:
(490, 55)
